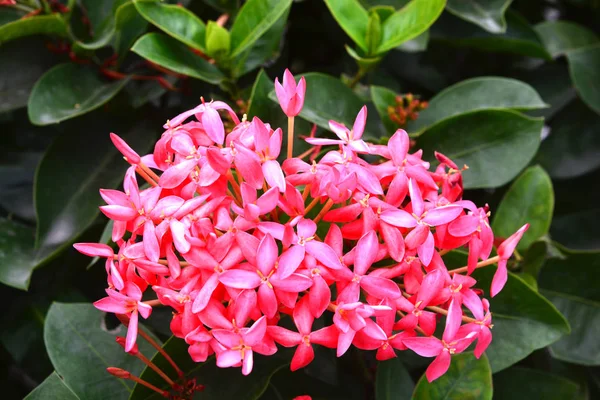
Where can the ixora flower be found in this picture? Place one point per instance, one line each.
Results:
(234, 242)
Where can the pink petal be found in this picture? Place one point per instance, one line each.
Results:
(322, 142)
(344, 342)
(107, 304)
(340, 130)
(247, 362)
(229, 358)
(424, 346)
(324, 254)
(380, 288)
(283, 336)
(267, 301)
(302, 316)
(95, 249)
(130, 155)
(426, 250)
(438, 367)
(319, 296)
(294, 283)
(302, 357)
(203, 297)
(359, 123)
(176, 174)
(442, 215)
(249, 167)
(267, 254)
(151, 246)
(178, 233)
(430, 287)
(119, 213)
(453, 319)
(416, 237)
(257, 331)
(213, 125)
(483, 341)
(500, 278)
(268, 201)
(290, 261)
(366, 248)
(507, 247)
(398, 145)
(327, 337)
(274, 175)
(399, 218)
(217, 161)
(240, 279)
(464, 226)
(132, 330)
(393, 240)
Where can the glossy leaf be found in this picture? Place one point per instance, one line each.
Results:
(352, 18)
(393, 381)
(253, 20)
(409, 22)
(488, 14)
(553, 83)
(573, 146)
(52, 24)
(560, 37)
(584, 66)
(67, 91)
(16, 254)
(169, 53)
(176, 21)
(129, 26)
(518, 383)
(383, 98)
(496, 145)
(485, 93)
(530, 199)
(65, 213)
(53, 388)
(81, 347)
(572, 285)
(468, 378)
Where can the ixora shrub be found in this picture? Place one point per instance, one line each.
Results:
(235, 242)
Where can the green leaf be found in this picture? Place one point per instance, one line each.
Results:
(373, 32)
(560, 37)
(572, 285)
(393, 381)
(519, 38)
(175, 21)
(518, 383)
(553, 83)
(253, 20)
(584, 67)
(496, 145)
(218, 40)
(67, 210)
(572, 147)
(67, 91)
(468, 378)
(16, 249)
(352, 18)
(53, 388)
(220, 383)
(530, 200)
(409, 22)
(52, 24)
(129, 26)
(169, 53)
(81, 347)
(488, 14)
(383, 98)
(484, 93)
(523, 320)
(10, 14)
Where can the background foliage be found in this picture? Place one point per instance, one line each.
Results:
(514, 92)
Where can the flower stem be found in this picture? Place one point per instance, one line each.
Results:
(480, 264)
(147, 170)
(311, 205)
(146, 177)
(359, 75)
(290, 141)
(326, 208)
(153, 303)
(306, 192)
(155, 368)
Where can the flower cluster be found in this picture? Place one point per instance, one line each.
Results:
(233, 241)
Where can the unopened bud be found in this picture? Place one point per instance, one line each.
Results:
(134, 350)
(130, 155)
(118, 372)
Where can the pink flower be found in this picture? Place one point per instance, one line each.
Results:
(350, 138)
(290, 96)
(505, 251)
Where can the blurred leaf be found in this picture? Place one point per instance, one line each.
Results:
(16, 249)
(253, 20)
(226, 6)
(104, 23)
(218, 40)
(99, 13)
(495, 144)
(67, 91)
(220, 383)
(484, 93)
(373, 37)
(584, 66)
(468, 378)
(352, 18)
(415, 45)
(560, 37)
(573, 146)
(519, 38)
(530, 199)
(572, 285)
(518, 383)
(53, 388)
(81, 347)
(366, 63)
(553, 83)
(393, 381)
(488, 14)
(409, 22)
(10, 14)
(259, 103)
(536, 255)
(169, 53)
(52, 24)
(129, 26)
(383, 98)
(65, 210)
(22, 62)
(175, 21)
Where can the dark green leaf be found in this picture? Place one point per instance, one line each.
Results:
(530, 200)
(485, 93)
(519, 38)
(496, 145)
(175, 21)
(16, 250)
(43, 25)
(553, 83)
(67, 91)
(518, 383)
(81, 347)
(393, 381)
(572, 285)
(383, 98)
(584, 66)
(468, 378)
(254, 19)
(129, 26)
(10, 14)
(409, 22)
(169, 53)
(573, 146)
(488, 14)
(65, 210)
(560, 37)
(53, 388)
(352, 18)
